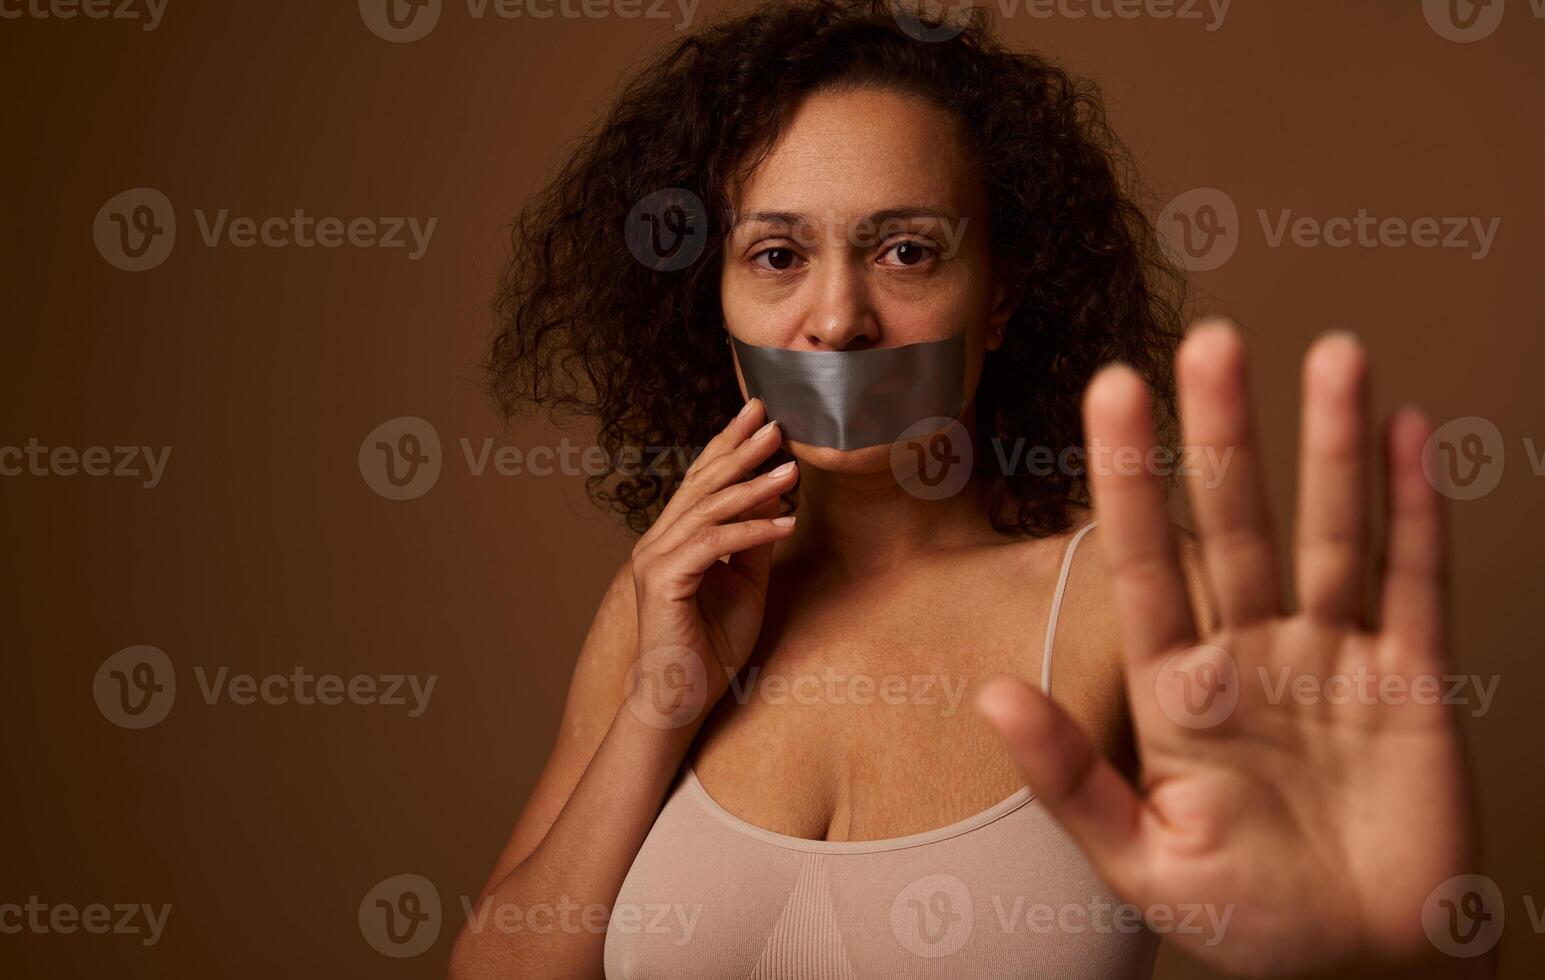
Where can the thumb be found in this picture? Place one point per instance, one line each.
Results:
(1070, 776)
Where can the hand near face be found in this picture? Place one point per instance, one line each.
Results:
(1322, 825)
(698, 615)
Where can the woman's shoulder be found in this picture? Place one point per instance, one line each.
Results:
(1075, 561)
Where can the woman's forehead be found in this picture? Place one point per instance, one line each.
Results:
(849, 154)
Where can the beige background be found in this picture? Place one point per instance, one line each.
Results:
(263, 368)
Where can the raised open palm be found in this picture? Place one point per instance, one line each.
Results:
(1300, 774)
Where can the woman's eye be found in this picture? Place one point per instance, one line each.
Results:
(776, 259)
(908, 253)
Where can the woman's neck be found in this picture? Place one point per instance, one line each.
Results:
(862, 524)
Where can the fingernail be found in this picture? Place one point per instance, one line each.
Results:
(783, 470)
(995, 701)
(1342, 333)
(745, 409)
(764, 430)
(786, 521)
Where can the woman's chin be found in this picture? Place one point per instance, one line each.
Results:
(869, 459)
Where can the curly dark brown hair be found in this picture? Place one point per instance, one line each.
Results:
(586, 329)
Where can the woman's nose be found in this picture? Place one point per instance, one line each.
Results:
(841, 316)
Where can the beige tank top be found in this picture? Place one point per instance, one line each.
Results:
(1002, 894)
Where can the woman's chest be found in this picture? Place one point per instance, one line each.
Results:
(855, 716)
(1004, 894)
(837, 754)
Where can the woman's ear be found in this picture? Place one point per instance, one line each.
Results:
(1007, 291)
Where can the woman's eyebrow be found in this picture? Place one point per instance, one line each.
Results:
(900, 213)
(769, 217)
(911, 211)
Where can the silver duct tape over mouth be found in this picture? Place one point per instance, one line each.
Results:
(853, 399)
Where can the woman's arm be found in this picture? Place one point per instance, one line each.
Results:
(680, 621)
(585, 820)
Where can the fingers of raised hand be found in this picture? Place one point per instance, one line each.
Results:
(1070, 776)
(1412, 606)
(1330, 558)
(1228, 495)
(1146, 581)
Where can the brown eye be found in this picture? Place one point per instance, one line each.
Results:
(908, 253)
(776, 259)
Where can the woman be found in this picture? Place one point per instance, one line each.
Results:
(760, 770)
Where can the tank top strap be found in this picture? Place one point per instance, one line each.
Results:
(1056, 604)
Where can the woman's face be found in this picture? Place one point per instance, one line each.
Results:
(865, 227)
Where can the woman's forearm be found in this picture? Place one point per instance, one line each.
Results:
(547, 917)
